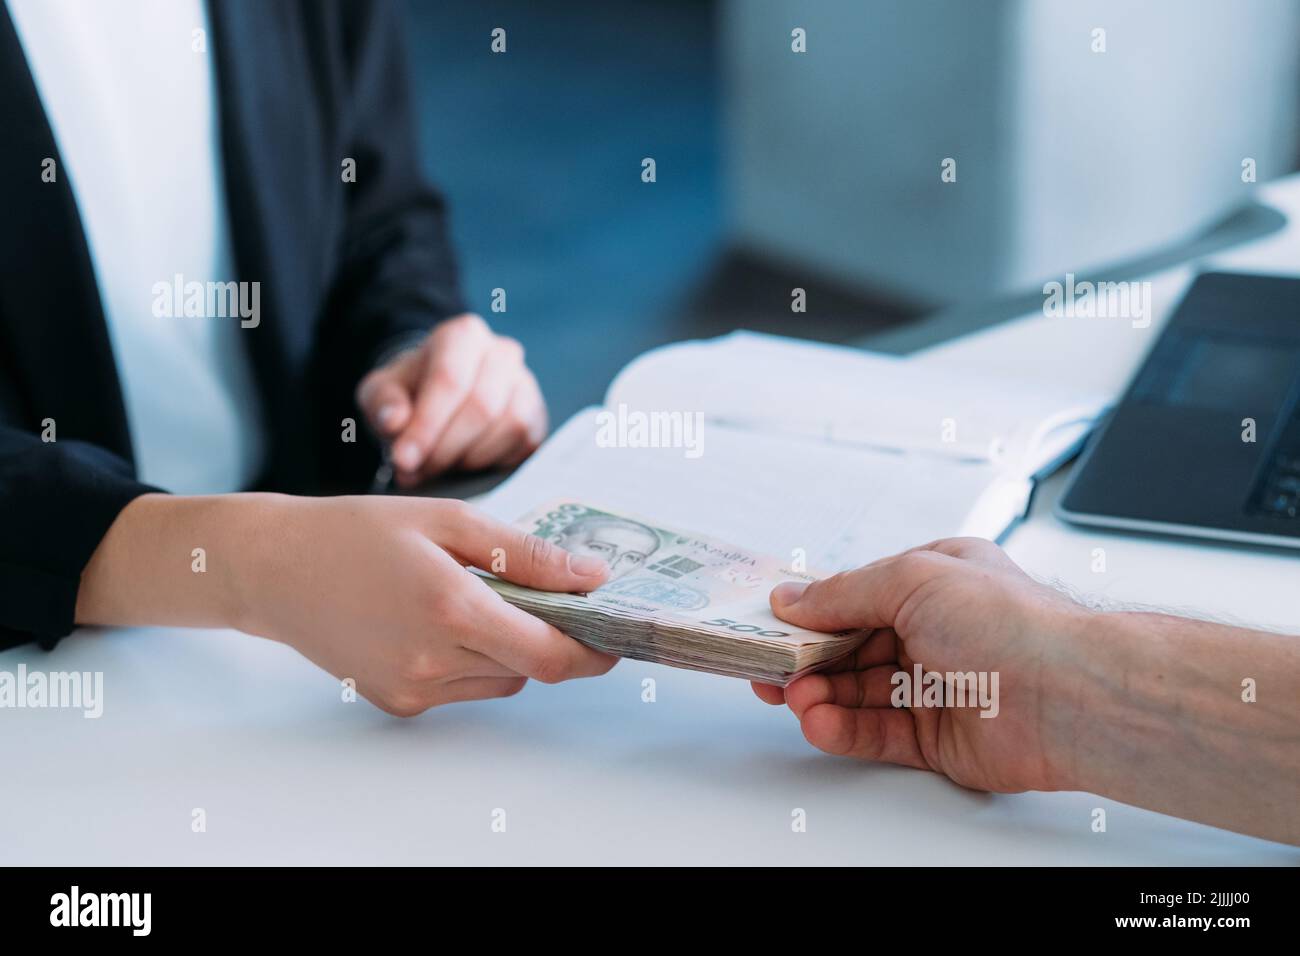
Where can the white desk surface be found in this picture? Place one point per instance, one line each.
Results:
(587, 772)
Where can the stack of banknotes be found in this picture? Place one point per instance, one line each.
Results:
(674, 597)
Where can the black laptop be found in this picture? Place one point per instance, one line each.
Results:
(1176, 455)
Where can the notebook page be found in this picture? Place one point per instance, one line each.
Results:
(849, 396)
(842, 506)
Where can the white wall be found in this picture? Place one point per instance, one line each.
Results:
(1067, 159)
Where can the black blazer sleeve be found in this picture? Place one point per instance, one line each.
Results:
(351, 267)
(57, 501)
(395, 276)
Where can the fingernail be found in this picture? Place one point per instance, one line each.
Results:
(587, 567)
(386, 415)
(406, 455)
(788, 592)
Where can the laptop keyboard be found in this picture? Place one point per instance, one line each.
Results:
(1278, 492)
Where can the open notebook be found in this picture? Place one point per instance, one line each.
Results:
(835, 455)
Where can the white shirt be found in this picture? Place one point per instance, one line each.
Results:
(134, 111)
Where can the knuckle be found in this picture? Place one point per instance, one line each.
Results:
(402, 703)
(918, 564)
(826, 588)
(961, 547)
(448, 377)
(510, 348)
(538, 552)
(423, 665)
(533, 431)
(462, 328)
(454, 510)
(477, 406)
(512, 688)
(979, 548)
(368, 388)
(549, 669)
(518, 425)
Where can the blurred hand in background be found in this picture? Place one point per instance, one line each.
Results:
(462, 398)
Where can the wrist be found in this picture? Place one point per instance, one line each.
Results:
(178, 560)
(1065, 672)
(1114, 705)
(254, 533)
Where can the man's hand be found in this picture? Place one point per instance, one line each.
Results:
(957, 605)
(463, 398)
(1157, 711)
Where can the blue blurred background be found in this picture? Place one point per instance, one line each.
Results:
(539, 151)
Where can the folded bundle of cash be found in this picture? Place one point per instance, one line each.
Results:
(674, 597)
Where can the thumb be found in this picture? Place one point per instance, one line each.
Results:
(868, 597)
(521, 557)
(385, 398)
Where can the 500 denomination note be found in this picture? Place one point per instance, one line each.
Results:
(676, 597)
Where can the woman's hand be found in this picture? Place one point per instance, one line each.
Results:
(370, 588)
(464, 398)
(377, 589)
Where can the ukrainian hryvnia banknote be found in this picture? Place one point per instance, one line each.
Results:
(674, 597)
